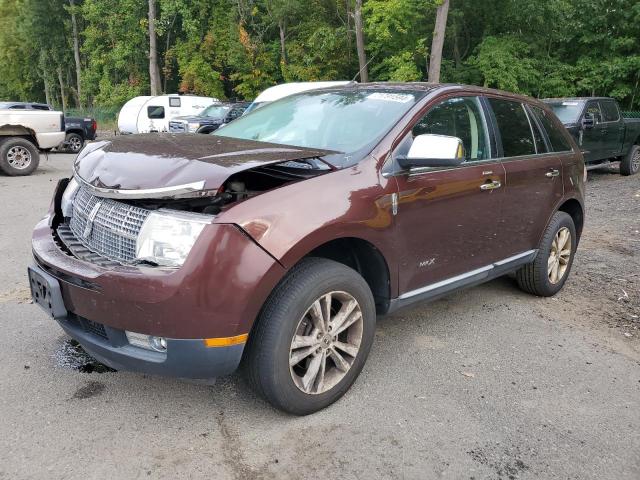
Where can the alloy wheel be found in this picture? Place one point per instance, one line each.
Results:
(635, 161)
(19, 157)
(326, 342)
(559, 256)
(75, 144)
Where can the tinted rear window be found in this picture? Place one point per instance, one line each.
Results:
(559, 142)
(515, 131)
(609, 111)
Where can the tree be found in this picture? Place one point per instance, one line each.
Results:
(154, 71)
(76, 51)
(362, 55)
(435, 60)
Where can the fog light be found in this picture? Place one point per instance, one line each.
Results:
(148, 342)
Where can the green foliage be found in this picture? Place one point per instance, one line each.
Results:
(233, 48)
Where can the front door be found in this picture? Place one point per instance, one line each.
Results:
(591, 140)
(612, 128)
(447, 218)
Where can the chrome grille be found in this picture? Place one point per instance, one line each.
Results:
(106, 227)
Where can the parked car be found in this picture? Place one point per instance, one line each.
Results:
(601, 131)
(153, 113)
(277, 92)
(209, 119)
(282, 236)
(23, 134)
(78, 129)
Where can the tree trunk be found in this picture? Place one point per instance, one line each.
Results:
(63, 99)
(362, 55)
(283, 47)
(47, 95)
(154, 71)
(76, 51)
(438, 42)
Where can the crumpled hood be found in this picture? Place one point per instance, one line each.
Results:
(158, 161)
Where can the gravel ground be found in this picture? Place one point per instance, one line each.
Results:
(489, 383)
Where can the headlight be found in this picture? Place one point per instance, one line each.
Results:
(166, 237)
(67, 197)
(193, 127)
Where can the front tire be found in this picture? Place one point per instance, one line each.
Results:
(630, 165)
(546, 275)
(18, 156)
(312, 337)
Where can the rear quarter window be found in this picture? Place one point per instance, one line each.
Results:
(514, 127)
(558, 140)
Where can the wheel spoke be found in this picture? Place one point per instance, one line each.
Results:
(343, 314)
(554, 273)
(300, 341)
(347, 348)
(339, 360)
(326, 310)
(315, 312)
(323, 369)
(312, 372)
(351, 319)
(300, 355)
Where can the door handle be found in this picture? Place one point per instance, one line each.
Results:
(492, 185)
(552, 173)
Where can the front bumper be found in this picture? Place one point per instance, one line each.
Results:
(183, 358)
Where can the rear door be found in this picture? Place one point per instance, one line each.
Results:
(533, 174)
(447, 218)
(612, 128)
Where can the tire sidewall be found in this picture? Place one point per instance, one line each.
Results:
(632, 152)
(289, 311)
(559, 220)
(6, 145)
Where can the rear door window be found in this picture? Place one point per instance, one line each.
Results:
(458, 117)
(514, 127)
(559, 142)
(155, 112)
(609, 110)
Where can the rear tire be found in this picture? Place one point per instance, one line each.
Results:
(74, 142)
(18, 156)
(290, 327)
(630, 165)
(546, 275)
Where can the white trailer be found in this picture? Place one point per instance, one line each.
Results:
(152, 113)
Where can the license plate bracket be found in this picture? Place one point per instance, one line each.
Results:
(45, 292)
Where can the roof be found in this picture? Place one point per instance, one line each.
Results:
(574, 99)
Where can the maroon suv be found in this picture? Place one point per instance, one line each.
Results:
(278, 240)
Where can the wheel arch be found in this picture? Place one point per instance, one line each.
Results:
(77, 131)
(365, 258)
(574, 208)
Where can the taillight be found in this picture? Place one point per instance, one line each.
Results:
(94, 125)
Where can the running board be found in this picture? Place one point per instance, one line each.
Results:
(606, 164)
(469, 279)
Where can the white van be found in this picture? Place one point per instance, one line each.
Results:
(277, 92)
(152, 114)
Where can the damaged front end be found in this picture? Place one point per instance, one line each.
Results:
(132, 206)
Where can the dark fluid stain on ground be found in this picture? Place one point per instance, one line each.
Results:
(71, 355)
(506, 467)
(91, 389)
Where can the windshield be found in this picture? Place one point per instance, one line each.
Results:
(343, 121)
(215, 111)
(568, 111)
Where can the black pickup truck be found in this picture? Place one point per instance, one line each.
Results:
(79, 129)
(601, 131)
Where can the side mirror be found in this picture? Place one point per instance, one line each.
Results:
(588, 121)
(432, 150)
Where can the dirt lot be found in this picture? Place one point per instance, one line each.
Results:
(489, 383)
